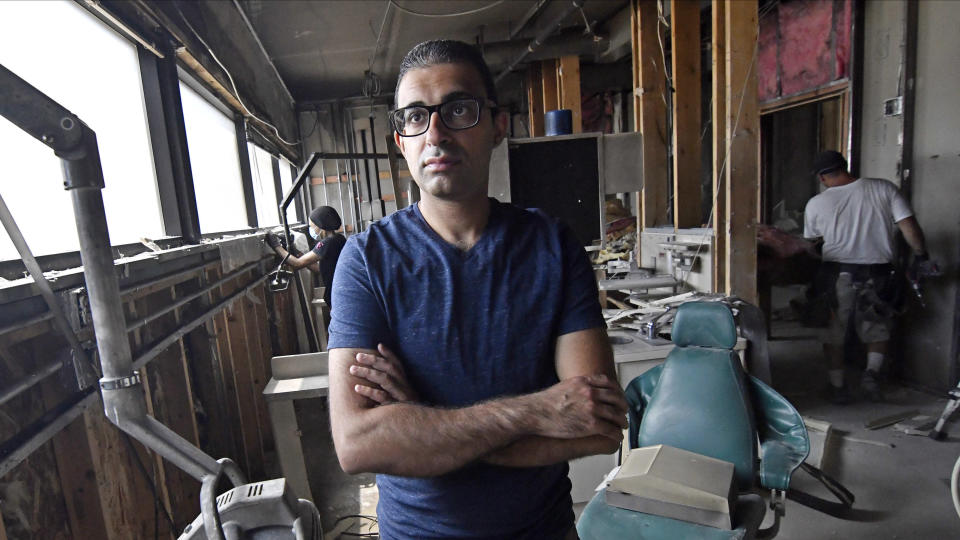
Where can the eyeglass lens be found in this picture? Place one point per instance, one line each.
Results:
(457, 114)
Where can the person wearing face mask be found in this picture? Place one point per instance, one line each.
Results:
(322, 259)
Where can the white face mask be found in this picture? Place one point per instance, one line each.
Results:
(313, 234)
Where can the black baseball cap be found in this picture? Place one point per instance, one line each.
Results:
(829, 161)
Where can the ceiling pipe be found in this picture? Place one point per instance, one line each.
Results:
(501, 54)
(541, 36)
(531, 15)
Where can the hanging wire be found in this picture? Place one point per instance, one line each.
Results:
(442, 15)
(236, 93)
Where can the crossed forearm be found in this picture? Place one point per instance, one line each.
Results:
(536, 451)
(414, 440)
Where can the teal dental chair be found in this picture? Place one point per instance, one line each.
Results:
(701, 400)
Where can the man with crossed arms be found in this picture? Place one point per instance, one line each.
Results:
(503, 371)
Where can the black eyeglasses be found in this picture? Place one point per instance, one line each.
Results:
(456, 114)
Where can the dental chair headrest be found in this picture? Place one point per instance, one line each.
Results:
(704, 324)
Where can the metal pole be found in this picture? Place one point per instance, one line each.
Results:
(81, 362)
(343, 213)
(366, 170)
(123, 399)
(323, 173)
(76, 145)
(376, 167)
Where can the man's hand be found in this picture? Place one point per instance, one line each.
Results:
(581, 407)
(384, 372)
(922, 267)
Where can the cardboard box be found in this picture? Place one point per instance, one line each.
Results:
(667, 481)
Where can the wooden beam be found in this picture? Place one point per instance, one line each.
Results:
(240, 356)
(77, 472)
(551, 91)
(125, 495)
(259, 368)
(568, 82)
(650, 111)
(743, 136)
(216, 431)
(685, 43)
(719, 100)
(149, 381)
(535, 100)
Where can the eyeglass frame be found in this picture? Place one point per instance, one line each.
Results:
(481, 104)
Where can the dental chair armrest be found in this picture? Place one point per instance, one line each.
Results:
(784, 442)
(638, 394)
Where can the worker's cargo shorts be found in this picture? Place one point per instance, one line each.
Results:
(861, 303)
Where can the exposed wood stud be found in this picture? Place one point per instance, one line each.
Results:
(568, 82)
(650, 111)
(551, 89)
(77, 473)
(685, 42)
(719, 100)
(535, 99)
(743, 168)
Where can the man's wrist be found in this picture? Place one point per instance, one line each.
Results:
(519, 414)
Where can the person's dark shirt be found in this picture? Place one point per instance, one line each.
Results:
(328, 249)
(470, 326)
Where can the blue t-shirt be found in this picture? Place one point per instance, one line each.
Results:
(469, 326)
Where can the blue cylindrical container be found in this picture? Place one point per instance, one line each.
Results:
(559, 122)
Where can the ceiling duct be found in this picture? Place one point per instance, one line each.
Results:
(548, 30)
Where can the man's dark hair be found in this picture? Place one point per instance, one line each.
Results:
(446, 51)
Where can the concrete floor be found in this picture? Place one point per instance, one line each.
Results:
(900, 481)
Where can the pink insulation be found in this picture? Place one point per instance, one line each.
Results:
(805, 56)
(842, 30)
(767, 59)
(803, 45)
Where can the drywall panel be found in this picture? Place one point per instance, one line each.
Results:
(883, 64)
(929, 337)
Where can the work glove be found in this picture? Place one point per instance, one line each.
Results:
(273, 241)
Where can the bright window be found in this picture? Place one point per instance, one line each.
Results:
(264, 190)
(286, 180)
(85, 66)
(215, 162)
